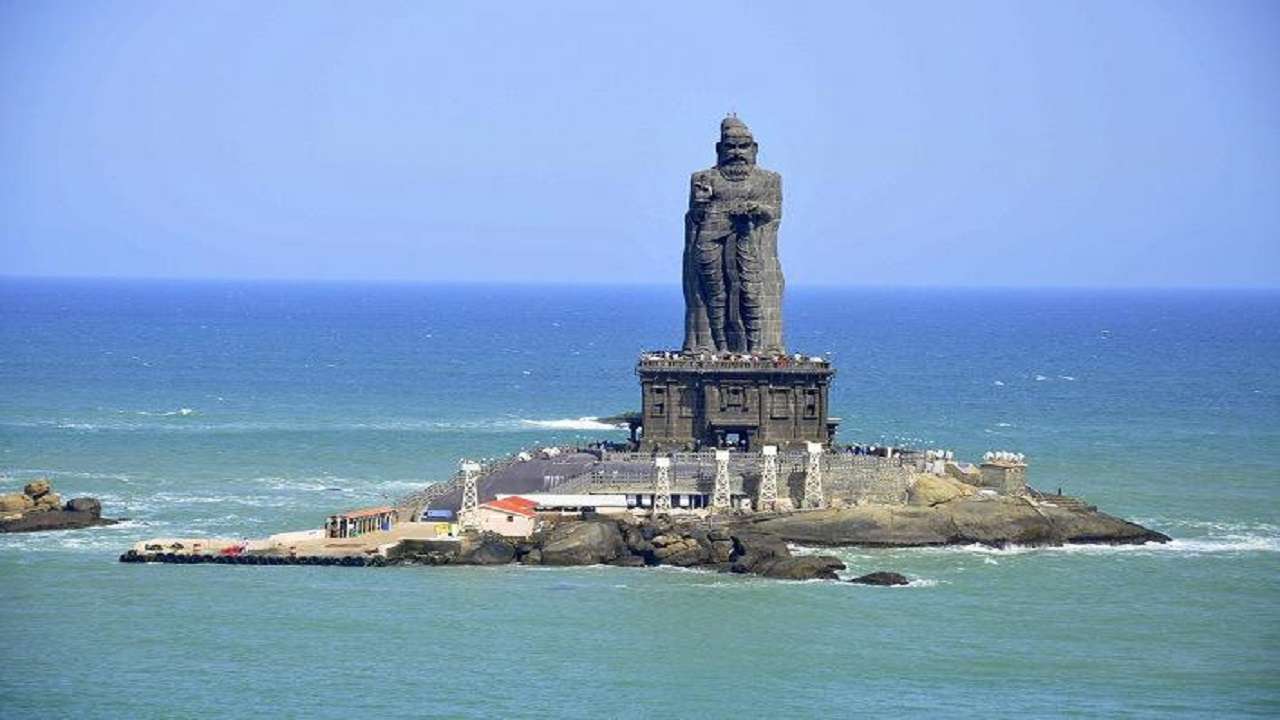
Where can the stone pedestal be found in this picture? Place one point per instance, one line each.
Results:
(696, 402)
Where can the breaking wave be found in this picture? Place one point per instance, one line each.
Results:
(180, 412)
(582, 423)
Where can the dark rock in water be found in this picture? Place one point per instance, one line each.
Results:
(39, 508)
(804, 567)
(486, 550)
(751, 549)
(768, 555)
(582, 542)
(881, 578)
(86, 505)
(54, 520)
(628, 561)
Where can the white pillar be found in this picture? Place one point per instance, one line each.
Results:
(813, 496)
(768, 496)
(661, 486)
(469, 514)
(720, 498)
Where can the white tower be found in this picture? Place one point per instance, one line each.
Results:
(813, 497)
(720, 498)
(661, 486)
(768, 495)
(469, 514)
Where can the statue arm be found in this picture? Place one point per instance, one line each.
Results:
(767, 207)
(700, 195)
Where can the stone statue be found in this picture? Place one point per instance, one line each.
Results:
(732, 277)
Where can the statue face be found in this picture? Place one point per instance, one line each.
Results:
(735, 154)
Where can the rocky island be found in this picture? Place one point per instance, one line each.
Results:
(731, 460)
(38, 508)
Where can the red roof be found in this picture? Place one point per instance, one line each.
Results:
(514, 504)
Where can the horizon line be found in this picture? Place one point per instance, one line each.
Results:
(792, 285)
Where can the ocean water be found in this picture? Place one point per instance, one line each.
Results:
(250, 408)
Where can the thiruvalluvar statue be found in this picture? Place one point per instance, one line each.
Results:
(732, 277)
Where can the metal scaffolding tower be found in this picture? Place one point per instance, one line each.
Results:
(813, 497)
(469, 514)
(720, 497)
(768, 496)
(661, 486)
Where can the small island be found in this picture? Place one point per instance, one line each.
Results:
(731, 459)
(39, 508)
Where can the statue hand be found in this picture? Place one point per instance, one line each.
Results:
(759, 212)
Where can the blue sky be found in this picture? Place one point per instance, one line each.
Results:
(977, 143)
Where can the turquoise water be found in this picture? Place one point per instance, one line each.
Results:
(245, 409)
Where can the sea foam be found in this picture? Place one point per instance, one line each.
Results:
(582, 423)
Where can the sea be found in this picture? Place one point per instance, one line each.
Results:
(240, 409)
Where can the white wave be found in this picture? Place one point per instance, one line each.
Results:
(167, 498)
(1041, 378)
(54, 474)
(1003, 424)
(998, 383)
(1189, 547)
(921, 583)
(115, 538)
(1068, 378)
(182, 412)
(582, 423)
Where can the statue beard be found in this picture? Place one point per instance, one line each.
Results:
(735, 170)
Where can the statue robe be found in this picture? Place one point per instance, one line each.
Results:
(732, 276)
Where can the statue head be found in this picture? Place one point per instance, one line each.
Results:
(736, 151)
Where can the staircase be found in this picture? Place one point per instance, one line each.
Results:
(1066, 502)
(410, 507)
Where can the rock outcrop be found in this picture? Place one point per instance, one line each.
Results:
(930, 490)
(487, 549)
(38, 507)
(881, 577)
(982, 519)
(581, 542)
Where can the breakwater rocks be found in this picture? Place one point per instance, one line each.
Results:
(39, 508)
(133, 556)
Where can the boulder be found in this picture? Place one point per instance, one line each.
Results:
(582, 542)
(721, 551)
(686, 553)
(804, 567)
(488, 549)
(16, 503)
(881, 577)
(752, 549)
(49, 501)
(930, 490)
(85, 505)
(37, 488)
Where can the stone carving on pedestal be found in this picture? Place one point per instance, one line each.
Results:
(732, 277)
